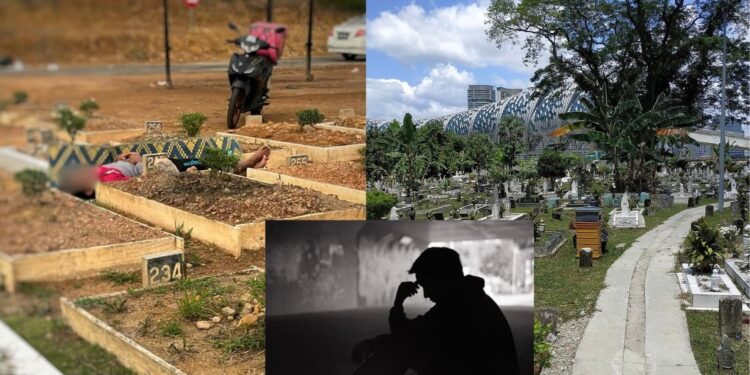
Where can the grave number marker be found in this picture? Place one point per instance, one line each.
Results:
(163, 268)
(297, 159)
(153, 127)
(149, 161)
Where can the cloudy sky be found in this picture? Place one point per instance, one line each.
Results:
(421, 56)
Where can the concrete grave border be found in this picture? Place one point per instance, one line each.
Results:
(68, 264)
(130, 353)
(229, 238)
(341, 192)
(316, 154)
(100, 137)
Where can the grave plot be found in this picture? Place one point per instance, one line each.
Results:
(224, 210)
(319, 144)
(343, 179)
(55, 236)
(194, 326)
(102, 129)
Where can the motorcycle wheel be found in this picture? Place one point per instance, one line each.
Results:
(234, 112)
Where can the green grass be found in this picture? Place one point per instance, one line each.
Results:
(258, 288)
(704, 339)
(194, 307)
(170, 328)
(63, 348)
(251, 340)
(120, 278)
(561, 284)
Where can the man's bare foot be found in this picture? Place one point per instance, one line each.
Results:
(259, 157)
(262, 162)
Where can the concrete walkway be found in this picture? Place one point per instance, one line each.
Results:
(17, 357)
(638, 326)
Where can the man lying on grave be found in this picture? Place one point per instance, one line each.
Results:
(81, 180)
(465, 332)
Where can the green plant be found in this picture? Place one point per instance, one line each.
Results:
(115, 305)
(258, 288)
(88, 106)
(192, 123)
(145, 326)
(254, 339)
(702, 247)
(120, 278)
(542, 347)
(193, 307)
(170, 328)
(69, 122)
(218, 160)
(87, 302)
(135, 293)
(20, 97)
(33, 182)
(379, 204)
(309, 117)
(180, 231)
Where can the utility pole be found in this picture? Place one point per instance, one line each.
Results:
(269, 11)
(722, 119)
(166, 44)
(309, 41)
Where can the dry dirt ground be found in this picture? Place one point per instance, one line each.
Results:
(133, 99)
(67, 32)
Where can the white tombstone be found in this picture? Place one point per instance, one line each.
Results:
(625, 204)
(625, 217)
(574, 190)
(394, 214)
(545, 186)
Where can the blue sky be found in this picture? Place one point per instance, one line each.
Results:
(421, 55)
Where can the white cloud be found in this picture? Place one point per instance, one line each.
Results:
(454, 34)
(441, 92)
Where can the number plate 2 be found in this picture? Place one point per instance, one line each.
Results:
(163, 268)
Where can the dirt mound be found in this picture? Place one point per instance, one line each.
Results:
(91, 31)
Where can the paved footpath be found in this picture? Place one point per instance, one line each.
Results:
(638, 326)
(17, 357)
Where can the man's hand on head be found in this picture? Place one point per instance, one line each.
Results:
(405, 290)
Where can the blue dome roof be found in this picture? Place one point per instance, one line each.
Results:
(539, 114)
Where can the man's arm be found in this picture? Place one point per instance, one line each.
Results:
(397, 319)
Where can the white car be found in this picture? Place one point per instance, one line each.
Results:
(348, 38)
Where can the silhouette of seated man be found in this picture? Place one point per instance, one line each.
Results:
(465, 332)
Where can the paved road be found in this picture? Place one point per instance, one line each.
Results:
(139, 69)
(638, 326)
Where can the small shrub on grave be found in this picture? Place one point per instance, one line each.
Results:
(542, 347)
(192, 123)
(70, 122)
(20, 97)
(145, 326)
(88, 302)
(702, 247)
(33, 182)
(170, 328)
(181, 232)
(309, 117)
(218, 161)
(379, 204)
(115, 306)
(88, 106)
(193, 307)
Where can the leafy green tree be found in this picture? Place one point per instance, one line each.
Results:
(606, 46)
(379, 204)
(88, 106)
(510, 139)
(33, 182)
(551, 165)
(479, 148)
(410, 153)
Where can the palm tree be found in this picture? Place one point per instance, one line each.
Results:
(626, 132)
(410, 153)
